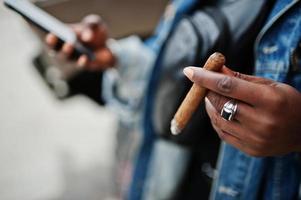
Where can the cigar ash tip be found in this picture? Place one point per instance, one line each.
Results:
(174, 128)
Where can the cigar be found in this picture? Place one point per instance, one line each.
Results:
(194, 97)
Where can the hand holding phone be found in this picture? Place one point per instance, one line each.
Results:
(91, 32)
(85, 40)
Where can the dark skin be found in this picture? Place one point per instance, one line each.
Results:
(268, 119)
(93, 33)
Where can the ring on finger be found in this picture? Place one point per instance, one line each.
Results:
(229, 110)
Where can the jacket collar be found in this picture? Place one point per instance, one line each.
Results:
(273, 20)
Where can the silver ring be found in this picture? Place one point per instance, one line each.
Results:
(229, 110)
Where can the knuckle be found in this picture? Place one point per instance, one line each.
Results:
(275, 100)
(279, 101)
(225, 84)
(238, 75)
(269, 127)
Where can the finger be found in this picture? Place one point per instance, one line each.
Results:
(87, 35)
(105, 57)
(246, 116)
(91, 37)
(227, 71)
(226, 85)
(238, 144)
(94, 33)
(245, 113)
(231, 127)
(212, 113)
(82, 61)
(68, 50)
(94, 38)
(255, 79)
(237, 130)
(93, 21)
(51, 40)
(229, 137)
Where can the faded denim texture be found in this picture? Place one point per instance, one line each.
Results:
(241, 176)
(119, 91)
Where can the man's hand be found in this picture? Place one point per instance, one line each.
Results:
(268, 119)
(93, 33)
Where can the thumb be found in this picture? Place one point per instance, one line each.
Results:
(94, 33)
(93, 21)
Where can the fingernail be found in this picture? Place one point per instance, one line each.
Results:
(188, 72)
(207, 100)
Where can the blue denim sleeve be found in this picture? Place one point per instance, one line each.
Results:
(123, 86)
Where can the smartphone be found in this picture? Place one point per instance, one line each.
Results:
(48, 24)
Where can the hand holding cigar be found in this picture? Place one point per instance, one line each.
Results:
(194, 97)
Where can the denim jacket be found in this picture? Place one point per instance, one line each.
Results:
(241, 176)
(128, 91)
(250, 170)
